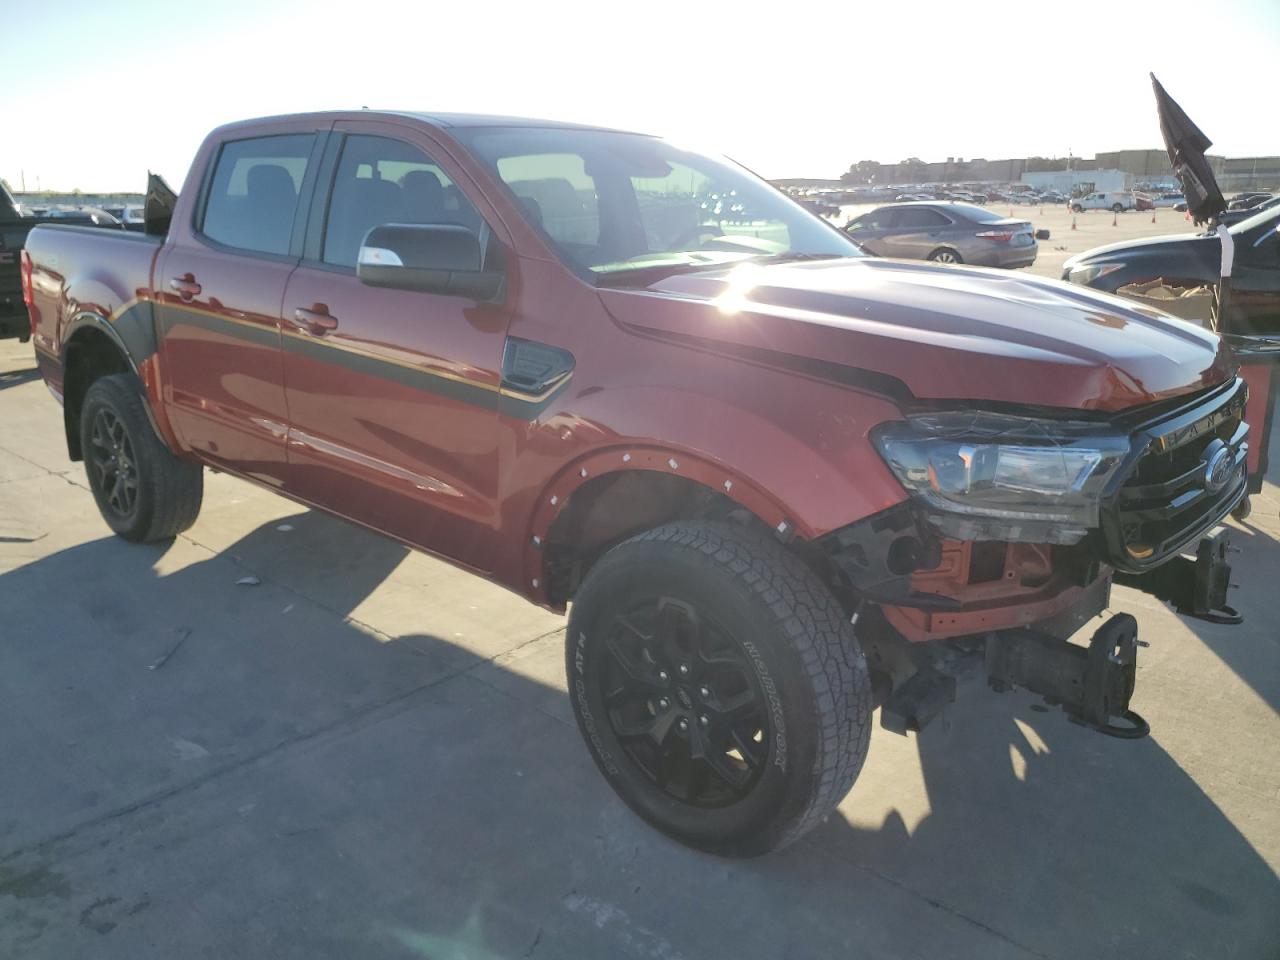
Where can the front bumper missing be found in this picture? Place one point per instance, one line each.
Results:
(1195, 587)
(1093, 684)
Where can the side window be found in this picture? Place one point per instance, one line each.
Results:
(557, 194)
(254, 192)
(921, 217)
(379, 180)
(875, 220)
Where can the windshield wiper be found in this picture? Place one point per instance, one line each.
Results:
(645, 273)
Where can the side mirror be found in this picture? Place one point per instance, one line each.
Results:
(430, 257)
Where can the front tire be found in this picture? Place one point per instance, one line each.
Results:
(143, 491)
(718, 685)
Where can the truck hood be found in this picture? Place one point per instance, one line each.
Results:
(944, 333)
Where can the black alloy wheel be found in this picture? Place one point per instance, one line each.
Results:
(718, 684)
(143, 491)
(113, 466)
(684, 703)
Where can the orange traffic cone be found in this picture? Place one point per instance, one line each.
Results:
(1115, 218)
(1153, 214)
(1073, 221)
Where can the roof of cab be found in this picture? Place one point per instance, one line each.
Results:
(434, 119)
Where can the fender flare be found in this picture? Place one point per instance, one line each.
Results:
(639, 457)
(131, 329)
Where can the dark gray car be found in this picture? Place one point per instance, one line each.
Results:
(947, 233)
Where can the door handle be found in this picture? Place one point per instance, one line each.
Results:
(315, 320)
(185, 286)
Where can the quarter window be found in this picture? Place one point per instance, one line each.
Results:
(253, 196)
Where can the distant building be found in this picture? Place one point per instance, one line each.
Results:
(1078, 181)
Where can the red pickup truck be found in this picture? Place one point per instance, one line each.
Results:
(781, 483)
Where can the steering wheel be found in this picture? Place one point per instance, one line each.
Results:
(693, 233)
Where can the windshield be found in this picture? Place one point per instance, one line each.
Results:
(617, 202)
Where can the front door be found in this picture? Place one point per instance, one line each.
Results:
(392, 394)
(219, 286)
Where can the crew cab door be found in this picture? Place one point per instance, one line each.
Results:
(218, 287)
(392, 394)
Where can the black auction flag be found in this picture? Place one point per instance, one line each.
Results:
(1186, 144)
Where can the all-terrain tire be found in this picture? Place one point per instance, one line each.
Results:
(166, 491)
(795, 644)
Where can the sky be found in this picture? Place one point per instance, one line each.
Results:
(99, 91)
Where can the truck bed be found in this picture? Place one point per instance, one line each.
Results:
(80, 270)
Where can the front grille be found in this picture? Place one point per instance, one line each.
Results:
(1186, 472)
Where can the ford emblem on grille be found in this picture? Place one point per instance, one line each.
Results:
(1219, 466)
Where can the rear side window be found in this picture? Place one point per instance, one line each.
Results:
(380, 180)
(253, 196)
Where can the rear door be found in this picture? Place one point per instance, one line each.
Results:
(219, 284)
(393, 394)
(919, 231)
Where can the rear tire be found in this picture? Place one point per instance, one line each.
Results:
(945, 255)
(143, 491)
(1117, 207)
(718, 686)
(1076, 208)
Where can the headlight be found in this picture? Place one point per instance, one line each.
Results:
(995, 477)
(1087, 274)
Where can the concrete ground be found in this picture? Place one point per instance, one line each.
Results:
(370, 754)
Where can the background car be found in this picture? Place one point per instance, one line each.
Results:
(1194, 259)
(1244, 213)
(947, 233)
(1117, 200)
(99, 218)
(1246, 201)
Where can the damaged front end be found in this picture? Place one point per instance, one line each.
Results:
(1013, 535)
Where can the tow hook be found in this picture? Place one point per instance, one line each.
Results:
(1196, 588)
(1092, 684)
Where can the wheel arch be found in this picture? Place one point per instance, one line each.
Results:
(609, 495)
(91, 349)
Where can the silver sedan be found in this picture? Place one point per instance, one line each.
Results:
(946, 233)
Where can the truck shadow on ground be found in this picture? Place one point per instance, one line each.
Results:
(285, 785)
(16, 378)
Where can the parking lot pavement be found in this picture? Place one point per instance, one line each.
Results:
(370, 754)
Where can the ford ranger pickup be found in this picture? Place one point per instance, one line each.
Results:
(777, 483)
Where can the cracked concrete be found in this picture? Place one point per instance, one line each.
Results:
(371, 754)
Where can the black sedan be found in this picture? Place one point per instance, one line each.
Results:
(1196, 259)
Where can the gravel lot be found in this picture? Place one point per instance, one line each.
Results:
(370, 754)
